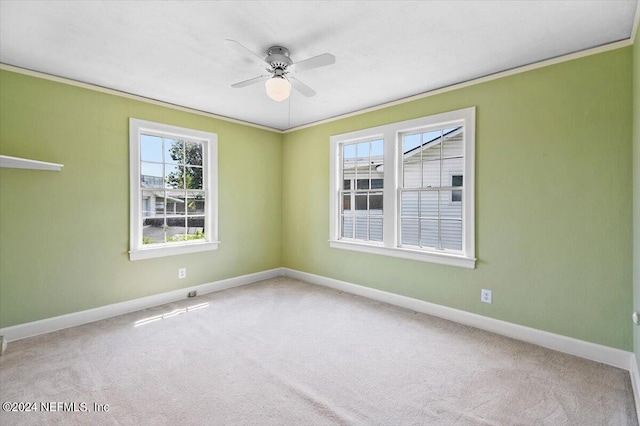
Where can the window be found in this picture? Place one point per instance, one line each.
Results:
(406, 189)
(173, 190)
(361, 194)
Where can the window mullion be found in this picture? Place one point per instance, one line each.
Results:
(440, 191)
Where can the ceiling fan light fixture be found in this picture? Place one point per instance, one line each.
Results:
(278, 88)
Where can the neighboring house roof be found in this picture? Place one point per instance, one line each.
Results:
(433, 142)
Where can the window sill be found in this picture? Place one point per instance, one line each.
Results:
(405, 253)
(153, 252)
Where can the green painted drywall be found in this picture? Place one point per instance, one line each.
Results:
(64, 235)
(553, 202)
(636, 189)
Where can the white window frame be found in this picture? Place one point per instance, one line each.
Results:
(137, 250)
(392, 168)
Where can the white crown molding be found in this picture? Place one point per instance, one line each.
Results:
(570, 57)
(588, 52)
(44, 76)
(30, 329)
(592, 351)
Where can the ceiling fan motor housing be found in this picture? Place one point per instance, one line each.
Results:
(278, 58)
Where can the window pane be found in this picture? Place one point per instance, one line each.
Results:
(363, 183)
(429, 233)
(195, 228)
(456, 180)
(361, 227)
(453, 139)
(409, 204)
(431, 139)
(195, 204)
(176, 229)
(346, 203)
(151, 175)
(174, 176)
(431, 173)
(152, 231)
(451, 231)
(409, 232)
(375, 228)
(448, 208)
(361, 201)
(375, 203)
(363, 171)
(377, 149)
(411, 170)
(151, 148)
(174, 203)
(193, 177)
(348, 163)
(429, 204)
(193, 154)
(173, 151)
(148, 203)
(346, 184)
(410, 143)
(363, 151)
(347, 227)
(377, 162)
(349, 152)
(411, 167)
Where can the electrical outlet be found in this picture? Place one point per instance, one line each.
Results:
(485, 296)
(182, 273)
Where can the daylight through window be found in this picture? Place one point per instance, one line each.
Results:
(406, 189)
(172, 179)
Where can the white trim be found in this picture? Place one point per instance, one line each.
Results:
(101, 89)
(593, 351)
(633, 372)
(604, 354)
(392, 135)
(22, 331)
(405, 253)
(163, 251)
(525, 68)
(137, 250)
(9, 162)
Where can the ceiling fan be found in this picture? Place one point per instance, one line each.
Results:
(279, 65)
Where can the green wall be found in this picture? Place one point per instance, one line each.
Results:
(553, 202)
(636, 188)
(64, 235)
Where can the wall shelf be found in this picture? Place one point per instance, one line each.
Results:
(23, 163)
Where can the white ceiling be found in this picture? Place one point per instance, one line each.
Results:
(174, 51)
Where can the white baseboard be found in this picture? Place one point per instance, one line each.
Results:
(607, 355)
(34, 328)
(635, 382)
(595, 352)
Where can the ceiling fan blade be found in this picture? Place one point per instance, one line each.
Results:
(315, 62)
(250, 81)
(301, 87)
(244, 51)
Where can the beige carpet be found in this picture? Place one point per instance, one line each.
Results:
(283, 352)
